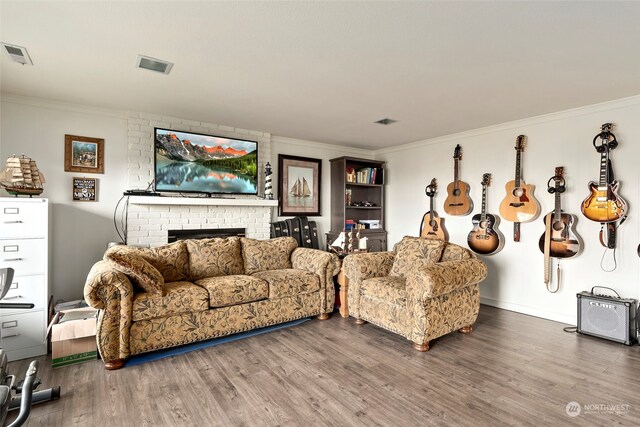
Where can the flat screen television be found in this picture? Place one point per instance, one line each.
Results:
(187, 162)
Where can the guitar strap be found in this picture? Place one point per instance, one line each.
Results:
(547, 251)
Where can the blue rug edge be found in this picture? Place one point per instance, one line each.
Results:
(173, 351)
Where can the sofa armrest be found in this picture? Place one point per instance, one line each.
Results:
(110, 291)
(441, 278)
(358, 267)
(325, 265)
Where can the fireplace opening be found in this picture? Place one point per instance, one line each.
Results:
(204, 233)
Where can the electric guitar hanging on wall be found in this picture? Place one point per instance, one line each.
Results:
(432, 226)
(485, 238)
(603, 204)
(458, 201)
(519, 205)
(564, 242)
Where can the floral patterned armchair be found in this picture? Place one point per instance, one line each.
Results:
(422, 290)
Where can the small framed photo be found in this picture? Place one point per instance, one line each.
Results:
(83, 154)
(85, 189)
(299, 185)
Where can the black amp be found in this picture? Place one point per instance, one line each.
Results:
(607, 317)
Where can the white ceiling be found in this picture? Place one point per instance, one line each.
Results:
(324, 71)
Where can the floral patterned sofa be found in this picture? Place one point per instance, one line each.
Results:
(422, 290)
(193, 290)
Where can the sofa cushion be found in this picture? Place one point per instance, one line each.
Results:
(142, 273)
(180, 297)
(263, 255)
(232, 290)
(172, 260)
(289, 282)
(391, 289)
(214, 257)
(413, 252)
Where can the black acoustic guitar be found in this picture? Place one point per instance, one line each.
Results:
(485, 239)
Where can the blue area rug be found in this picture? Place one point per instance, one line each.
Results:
(161, 354)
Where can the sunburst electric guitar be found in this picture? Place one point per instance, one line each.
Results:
(432, 226)
(485, 238)
(519, 205)
(458, 201)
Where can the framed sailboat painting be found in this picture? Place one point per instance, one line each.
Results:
(299, 185)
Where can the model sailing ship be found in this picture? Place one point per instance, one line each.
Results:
(22, 177)
(300, 189)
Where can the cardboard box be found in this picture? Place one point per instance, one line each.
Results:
(73, 340)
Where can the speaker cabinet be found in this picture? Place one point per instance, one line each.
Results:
(607, 317)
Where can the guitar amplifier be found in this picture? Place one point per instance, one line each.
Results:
(611, 318)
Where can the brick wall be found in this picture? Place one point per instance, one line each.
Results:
(148, 224)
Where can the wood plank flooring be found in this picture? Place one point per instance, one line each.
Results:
(512, 370)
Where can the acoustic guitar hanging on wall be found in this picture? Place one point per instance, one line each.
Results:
(458, 201)
(560, 239)
(432, 226)
(519, 205)
(485, 238)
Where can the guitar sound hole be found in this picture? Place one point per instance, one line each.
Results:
(518, 192)
(456, 192)
(484, 224)
(558, 225)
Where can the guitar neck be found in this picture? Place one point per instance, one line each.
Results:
(455, 174)
(558, 209)
(518, 160)
(604, 168)
(483, 215)
(431, 208)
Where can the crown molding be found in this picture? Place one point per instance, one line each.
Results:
(530, 121)
(64, 106)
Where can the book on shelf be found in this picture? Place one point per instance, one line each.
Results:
(368, 176)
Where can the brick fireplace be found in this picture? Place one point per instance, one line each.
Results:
(151, 218)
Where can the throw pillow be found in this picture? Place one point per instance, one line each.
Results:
(215, 257)
(171, 260)
(262, 255)
(146, 276)
(415, 251)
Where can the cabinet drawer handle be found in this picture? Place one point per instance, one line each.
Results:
(13, 222)
(11, 336)
(13, 297)
(11, 211)
(10, 324)
(11, 259)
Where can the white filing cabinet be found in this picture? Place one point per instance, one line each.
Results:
(24, 246)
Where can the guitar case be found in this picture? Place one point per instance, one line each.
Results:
(295, 230)
(315, 244)
(284, 226)
(276, 229)
(305, 230)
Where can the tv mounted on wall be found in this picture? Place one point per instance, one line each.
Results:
(187, 162)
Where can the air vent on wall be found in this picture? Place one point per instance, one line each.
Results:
(154, 64)
(385, 121)
(17, 54)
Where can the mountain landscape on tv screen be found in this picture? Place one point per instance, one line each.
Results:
(206, 164)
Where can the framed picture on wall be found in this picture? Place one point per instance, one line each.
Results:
(299, 185)
(83, 154)
(85, 189)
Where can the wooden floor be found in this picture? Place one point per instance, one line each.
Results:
(512, 370)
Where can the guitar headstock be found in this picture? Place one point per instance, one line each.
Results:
(457, 152)
(486, 179)
(431, 188)
(559, 171)
(521, 142)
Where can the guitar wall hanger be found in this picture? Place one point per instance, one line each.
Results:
(556, 184)
(608, 140)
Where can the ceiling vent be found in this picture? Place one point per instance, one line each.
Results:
(17, 54)
(385, 121)
(154, 64)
